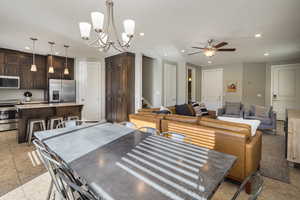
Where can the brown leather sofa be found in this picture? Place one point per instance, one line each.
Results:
(228, 137)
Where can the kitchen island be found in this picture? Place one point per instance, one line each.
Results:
(43, 111)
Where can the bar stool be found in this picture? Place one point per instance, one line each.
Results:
(73, 118)
(53, 122)
(30, 125)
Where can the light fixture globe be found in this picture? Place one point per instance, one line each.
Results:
(66, 71)
(33, 68)
(51, 70)
(209, 52)
(97, 21)
(85, 29)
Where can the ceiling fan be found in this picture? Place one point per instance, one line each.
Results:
(210, 49)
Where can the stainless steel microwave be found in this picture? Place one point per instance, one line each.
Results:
(9, 82)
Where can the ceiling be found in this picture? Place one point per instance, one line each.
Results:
(169, 27)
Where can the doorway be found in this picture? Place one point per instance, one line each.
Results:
(191, 84)
(91, 90)
(148, 82)
(212, 88)
(285, 88)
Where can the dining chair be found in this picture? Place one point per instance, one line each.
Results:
(256, 186)
(68, 187)
(128, 124)
(70, 123)
(151, 130)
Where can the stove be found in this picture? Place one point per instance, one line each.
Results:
(8, 114)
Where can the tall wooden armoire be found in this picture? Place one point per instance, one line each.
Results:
(120, 87)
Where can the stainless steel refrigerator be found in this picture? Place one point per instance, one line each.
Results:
(62, 90)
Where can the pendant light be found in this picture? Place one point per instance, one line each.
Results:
(51, 69)
(66, 70)
(33, 66)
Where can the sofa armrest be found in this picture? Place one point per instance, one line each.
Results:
(221, 111)
(253, 153)
(274, 119)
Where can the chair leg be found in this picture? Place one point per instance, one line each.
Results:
(248, 187)
(30, 132)
(50, 190)
(44, 125)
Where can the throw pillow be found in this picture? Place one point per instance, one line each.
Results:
(232, 108)
(262, 111)
(200, 109)
(190, 106)
(183, 110)
(163, 110)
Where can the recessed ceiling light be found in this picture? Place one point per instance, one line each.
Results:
(258, 35)
(165, 54)
(209, 62)
(182, 51)
(266, 54)
(27, 48)
(142, 34)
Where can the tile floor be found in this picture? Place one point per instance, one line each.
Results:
(19, 163)
(17, 168)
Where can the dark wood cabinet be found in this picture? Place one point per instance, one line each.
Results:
(120, 87)
(9, 63)
(59, 66)
(17, 63)
(29, 79)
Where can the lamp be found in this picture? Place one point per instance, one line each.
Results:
(33, 66)
(51, 68)
(66, 70)
(107, 35)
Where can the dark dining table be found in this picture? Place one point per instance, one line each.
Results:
(120, 163)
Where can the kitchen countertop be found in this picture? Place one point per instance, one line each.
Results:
(46, 105)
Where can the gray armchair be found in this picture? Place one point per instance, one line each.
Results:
(232, 109)
(267, 122)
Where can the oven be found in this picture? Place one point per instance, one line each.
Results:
(8, 115)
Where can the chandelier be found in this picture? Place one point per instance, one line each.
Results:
(107, 35)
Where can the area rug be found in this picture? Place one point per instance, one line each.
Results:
(274, 164)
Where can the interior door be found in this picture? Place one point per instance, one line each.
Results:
(212, 88)
(285, 88)
(170, 85)
(91, 107)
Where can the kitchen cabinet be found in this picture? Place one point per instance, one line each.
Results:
(9, 63)
(120, 73)
(29, 79)
(17, 63)
(59, 66)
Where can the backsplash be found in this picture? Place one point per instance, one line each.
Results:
(37, 95)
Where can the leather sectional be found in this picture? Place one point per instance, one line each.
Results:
(227, 137)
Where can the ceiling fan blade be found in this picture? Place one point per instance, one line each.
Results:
(193, 53)
(233, 49)
(198, 47)
(221, 44)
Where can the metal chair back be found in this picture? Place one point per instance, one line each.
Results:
(151, 130)
(68, 187)
(128, 124)
(70, 123)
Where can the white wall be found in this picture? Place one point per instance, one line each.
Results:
(232, 72)
(254, 82)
